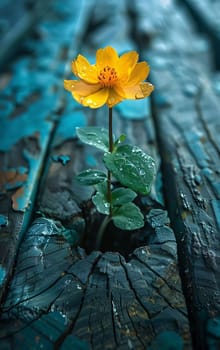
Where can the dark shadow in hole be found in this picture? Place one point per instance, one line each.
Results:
(114, 239)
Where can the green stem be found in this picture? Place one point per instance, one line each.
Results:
(110, 133)
(102, 228)
(109, 193)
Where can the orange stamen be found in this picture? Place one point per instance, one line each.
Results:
(107, 76)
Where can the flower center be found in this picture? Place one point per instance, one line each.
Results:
(107, 76)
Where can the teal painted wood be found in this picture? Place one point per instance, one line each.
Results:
(17, 21)
(59, 295)
(186, 110)
(206, 15)
(30, 100)
(101, 298)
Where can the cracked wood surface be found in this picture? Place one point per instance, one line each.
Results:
(31, 96)
(187, 128)
(131, 297)
(101, 298)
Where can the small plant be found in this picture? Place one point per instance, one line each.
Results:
(110, 81)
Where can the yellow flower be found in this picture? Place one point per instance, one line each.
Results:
(111, 80)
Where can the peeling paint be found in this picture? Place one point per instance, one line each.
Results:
(12, 179)
(193, 138)
(134, 109)
(216, 208)
(213, 178)
(3, 221)
(2, 274)
(27, 124)
(63, 159)
(70, 120)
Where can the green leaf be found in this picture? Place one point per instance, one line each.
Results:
(121, 139)
(102, 187)
(132, 168)
(128, 217)
(91, 177)
(100, 198)
(122, 195)
(94, 136)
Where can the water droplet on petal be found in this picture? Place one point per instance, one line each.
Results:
(89, 101)
(142, 172)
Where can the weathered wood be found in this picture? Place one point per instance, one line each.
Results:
(30, 98)
(207, 14)
(186, 113)
(60, 297)
(100, 298)
(17, 20)
(58, 293)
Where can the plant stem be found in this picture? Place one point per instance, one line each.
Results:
(109, 193)
(110, 130)
(102, 228)
(108, 218)
(110, 150)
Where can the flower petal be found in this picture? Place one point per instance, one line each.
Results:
(138, 91)
(146, 88)
(70, 84)
(96, 100)
(126, 64)
(106, 57)
(119, 89)
(124, 79)
(113, 98)
(80, 87)
(138, 74)
(84, 70)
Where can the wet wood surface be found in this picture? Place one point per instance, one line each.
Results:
(152, 289)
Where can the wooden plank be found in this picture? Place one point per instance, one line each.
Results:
(100, 298)
(206, 15)
(17, 21)
(186, 111)
(191, 158)
(107, 299)
(167, 42)
(30, 98)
